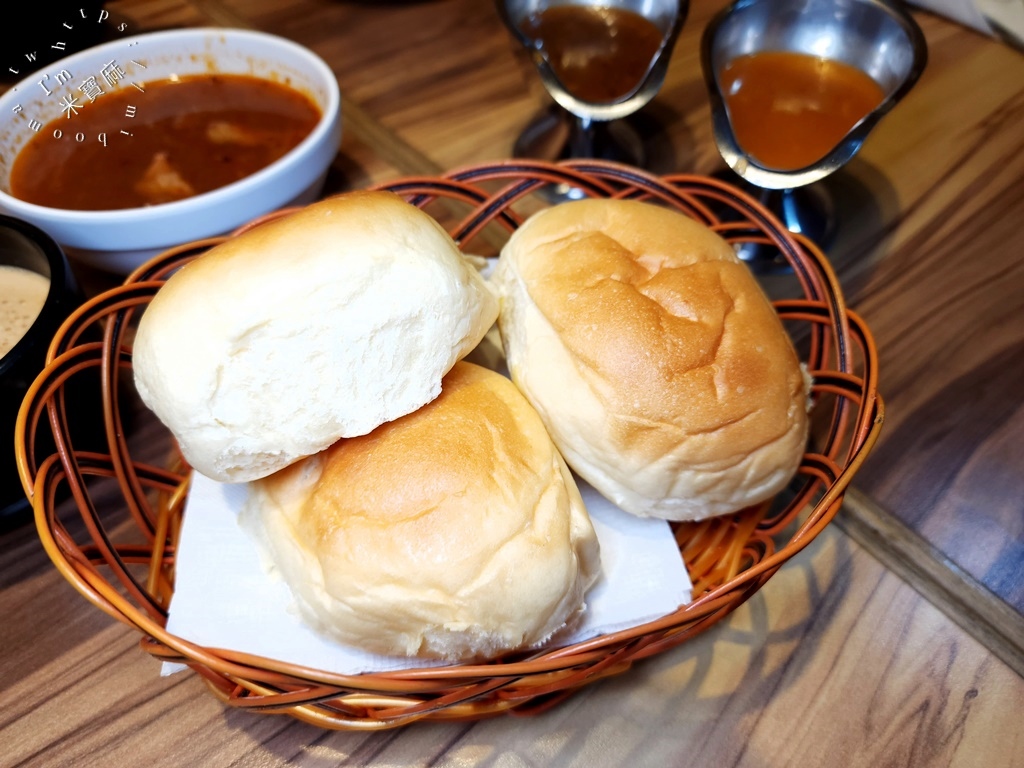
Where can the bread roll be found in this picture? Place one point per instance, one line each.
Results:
(455, 532)
(320, 325)
(660, 368)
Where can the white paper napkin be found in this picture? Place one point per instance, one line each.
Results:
(224, 599)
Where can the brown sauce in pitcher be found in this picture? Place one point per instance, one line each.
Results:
(788, 110)
(600, 54)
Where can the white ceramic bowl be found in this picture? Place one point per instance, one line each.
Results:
(121, 240)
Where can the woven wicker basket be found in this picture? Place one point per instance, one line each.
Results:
(121, 555)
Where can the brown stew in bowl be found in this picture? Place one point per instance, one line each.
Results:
(176, 138)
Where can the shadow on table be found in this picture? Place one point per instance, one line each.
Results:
(869, 212)
(866, 211)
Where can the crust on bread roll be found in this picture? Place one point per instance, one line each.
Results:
(660, 368)
(455, 532)
(321, 325)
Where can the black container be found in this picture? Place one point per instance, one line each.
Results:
(24, 245)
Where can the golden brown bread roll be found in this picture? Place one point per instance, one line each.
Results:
(320, 325)
(455, 532)
(660, 368)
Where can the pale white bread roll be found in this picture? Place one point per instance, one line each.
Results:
(317, 326)
(659, 366)
(455, 532)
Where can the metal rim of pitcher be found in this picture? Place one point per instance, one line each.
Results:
(737, 159)
(648, 86)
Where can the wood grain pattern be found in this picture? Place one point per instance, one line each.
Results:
(942, 294)
(838, 661)
(989, 619)
(834, 662)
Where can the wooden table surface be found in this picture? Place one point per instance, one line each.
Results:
(895, 639)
